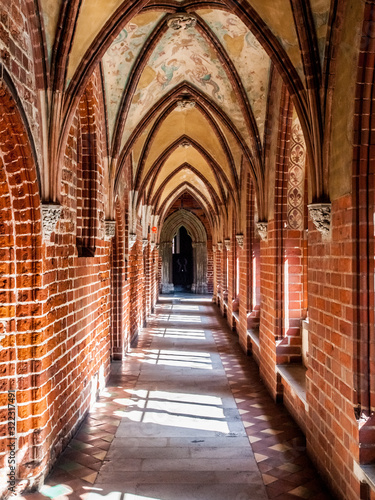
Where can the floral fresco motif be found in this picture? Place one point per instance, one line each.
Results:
(183, 56)
(120, 57)
(251, 61)
(296, 173)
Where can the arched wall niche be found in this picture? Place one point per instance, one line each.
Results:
(198, 236)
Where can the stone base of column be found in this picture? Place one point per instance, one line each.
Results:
(167, 288)
(200, 288)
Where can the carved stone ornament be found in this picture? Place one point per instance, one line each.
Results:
(227, 244)
(262, 230)
(144, 243)
(185, 144)
(152, 245)
(132, 239)
(181, 21)
(220, 246)
(185, 104)
(50, 215)
(240, 240)
(214, 248)
(110, 229)
(320, 214)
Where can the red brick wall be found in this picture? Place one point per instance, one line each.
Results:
(23, 318)
(332, 432)
(62, 325)
(21, 55)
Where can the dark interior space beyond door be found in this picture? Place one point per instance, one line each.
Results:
(182, 261)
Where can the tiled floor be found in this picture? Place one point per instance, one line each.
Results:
(174, 425)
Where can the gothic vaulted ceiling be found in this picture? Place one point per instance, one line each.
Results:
(187, 85)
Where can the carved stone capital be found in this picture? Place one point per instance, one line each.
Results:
(144, 243)
(240, 240)
(214, 248)
(227, 244)
(262, 230)
(181, 21)
(110, 229)
(132, 239)
(320, 214)
(220, 246)
(50, 215)
(152, 245)
(185, 104)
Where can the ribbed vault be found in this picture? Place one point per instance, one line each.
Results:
(188, 89)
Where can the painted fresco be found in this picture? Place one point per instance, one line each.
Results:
(120, 57)
(183, 56)
(251, 61)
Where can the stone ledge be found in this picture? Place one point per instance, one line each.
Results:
(235, 316)
(295, 377)
(254, 336)
(365, 473)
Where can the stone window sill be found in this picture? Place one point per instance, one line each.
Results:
(295, 377)
(254, 336)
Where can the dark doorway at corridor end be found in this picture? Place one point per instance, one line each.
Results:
(182, 261)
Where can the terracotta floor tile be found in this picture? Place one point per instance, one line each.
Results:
(277, 443)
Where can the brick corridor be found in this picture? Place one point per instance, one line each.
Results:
(168, 426)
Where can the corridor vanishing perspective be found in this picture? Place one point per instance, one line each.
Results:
(218, 148)
(185, 417)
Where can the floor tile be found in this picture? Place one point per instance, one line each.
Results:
(185, 417)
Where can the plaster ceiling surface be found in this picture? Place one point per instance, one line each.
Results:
(148, 65)
(92, 17)
(180, 56)
(250, 59)
(120, 58)
(320, 10)
(278, 16)
(182, 156)
(185, 177)
(51, 11)
(193, 124)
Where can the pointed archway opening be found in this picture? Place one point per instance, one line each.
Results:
(183, 265)
(172, 235)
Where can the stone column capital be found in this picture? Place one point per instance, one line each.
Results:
(110, 229)
(240, 240)
(132, 240)
(50, 215)
(320, 214)
(262, 227)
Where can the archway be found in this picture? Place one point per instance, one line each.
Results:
(194, 230)
(183, 265)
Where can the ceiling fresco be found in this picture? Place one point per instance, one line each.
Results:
(187, 70)
(183, 56)
(120, 58)
(250, 59)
